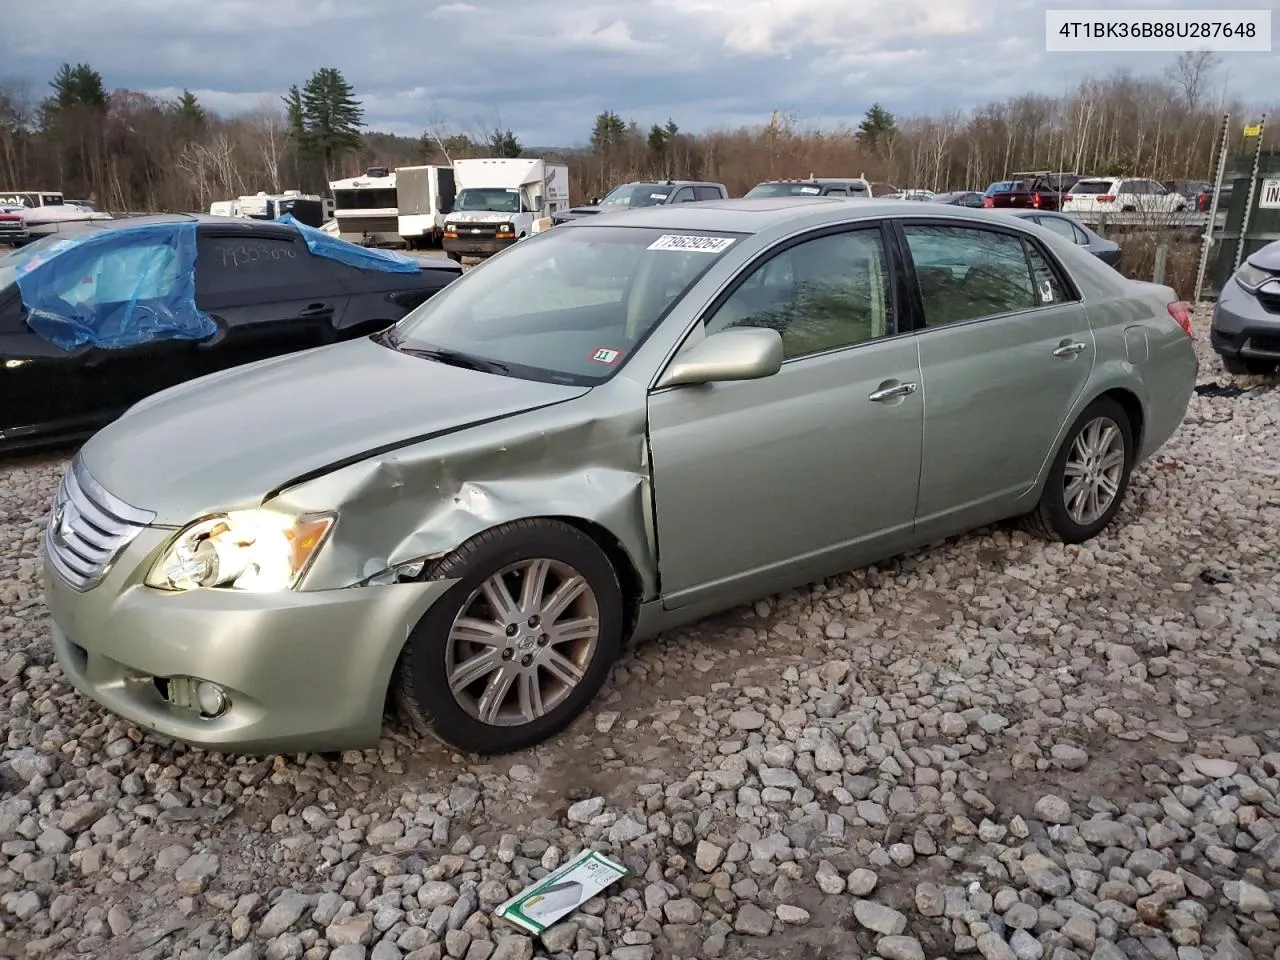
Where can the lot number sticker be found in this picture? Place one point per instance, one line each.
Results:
(605, 355)
(691, 244)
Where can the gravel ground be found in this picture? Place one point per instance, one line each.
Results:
(993, 747)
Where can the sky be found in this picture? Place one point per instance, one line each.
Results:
(545, 68)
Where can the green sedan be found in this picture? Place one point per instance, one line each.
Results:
(612, 428)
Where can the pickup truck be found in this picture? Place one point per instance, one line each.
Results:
(1043, 192)
(646, 193)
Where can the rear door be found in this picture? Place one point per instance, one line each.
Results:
(268, 293)
(1005, 351)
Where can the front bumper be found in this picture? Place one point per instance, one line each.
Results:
(302, 670)
(1243, 327)
(478, 247)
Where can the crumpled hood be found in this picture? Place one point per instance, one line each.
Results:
(227, 440)
(479, 216)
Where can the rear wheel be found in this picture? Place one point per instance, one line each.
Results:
(455, 257)
(522, 642)
(1243, 366)
(1088, 477)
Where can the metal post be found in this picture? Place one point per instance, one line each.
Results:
(1253, 190)
(1206, 243)
(1162, 258)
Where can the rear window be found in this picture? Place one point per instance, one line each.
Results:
(1005, 186)
(784, 190)
(1092, 186)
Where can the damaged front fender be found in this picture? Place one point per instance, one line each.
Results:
(423, 501)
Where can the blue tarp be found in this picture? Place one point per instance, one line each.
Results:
(334, 248)
(115, 289)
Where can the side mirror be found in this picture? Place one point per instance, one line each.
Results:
(742, 353)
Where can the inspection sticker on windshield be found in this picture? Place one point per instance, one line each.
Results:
(691, 244)
(605, 355)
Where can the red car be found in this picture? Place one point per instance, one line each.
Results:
(1042, 191)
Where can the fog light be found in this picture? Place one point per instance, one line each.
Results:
(211, 699)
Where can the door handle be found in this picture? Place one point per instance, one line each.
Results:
(1068, 350)
(892, 393)
(316, 310)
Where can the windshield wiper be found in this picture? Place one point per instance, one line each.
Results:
(456, 358)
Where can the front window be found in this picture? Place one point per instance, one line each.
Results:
(488, 199)
(565, 306)
(368, 198)
(783, 190)
(636, 195)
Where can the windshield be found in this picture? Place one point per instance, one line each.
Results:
(366, 198)
(637, 195)
(566, 306)
(11, 261)
(19, 199)
(490, 199)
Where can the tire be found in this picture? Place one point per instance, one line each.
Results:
(422, 687)
(1244, 367)
(455, 257)
(1052, 518)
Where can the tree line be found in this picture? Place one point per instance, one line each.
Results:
(129, 151)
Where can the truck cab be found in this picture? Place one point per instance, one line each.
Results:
(647, 193)
(501, 201)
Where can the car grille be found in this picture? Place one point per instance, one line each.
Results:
(88, 527)
(476, 230)
(1270, 301)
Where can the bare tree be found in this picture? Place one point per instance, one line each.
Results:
(269, 132)
(1192, 73)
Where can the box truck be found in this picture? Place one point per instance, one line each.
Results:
(501, 201)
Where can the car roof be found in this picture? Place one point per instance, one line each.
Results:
(240, 224)
(758, 215)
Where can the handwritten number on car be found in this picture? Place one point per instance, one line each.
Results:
(247, 254)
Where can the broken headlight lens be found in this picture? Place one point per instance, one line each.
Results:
(1251, 277)
(254, 550)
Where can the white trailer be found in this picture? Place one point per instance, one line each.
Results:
(366, 208)
(501, 201)
(424, 198)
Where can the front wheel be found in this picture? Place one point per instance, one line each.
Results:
(520, 645)
(1088, 477)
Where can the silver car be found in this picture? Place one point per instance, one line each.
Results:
(1246, 318)
(612, 428)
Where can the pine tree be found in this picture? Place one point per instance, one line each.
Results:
(331, 117)
(877, 127)
(503, 143)
(78, 86)
(189, 114)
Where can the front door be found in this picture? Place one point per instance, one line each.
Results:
(763, 484)
(1005, 352)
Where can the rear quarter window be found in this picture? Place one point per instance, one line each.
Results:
(232, 263)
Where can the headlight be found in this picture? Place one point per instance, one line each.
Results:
(257, 550)
(1251, 277)
(507, 228)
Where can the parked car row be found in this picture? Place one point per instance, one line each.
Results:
(471, 512)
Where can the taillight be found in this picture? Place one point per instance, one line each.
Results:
(1035, 201)
(1182, 316)
(1067, 199)
(988, 202)
(1106, 198)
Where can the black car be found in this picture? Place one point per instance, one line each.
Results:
(1108, 251)
(94, 322)
(960, 198)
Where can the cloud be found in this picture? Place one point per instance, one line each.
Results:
(546, 69)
